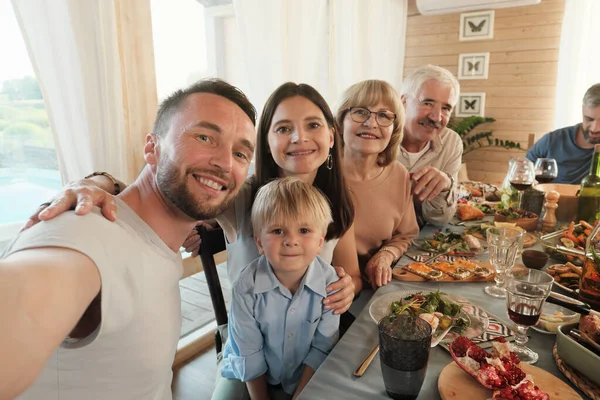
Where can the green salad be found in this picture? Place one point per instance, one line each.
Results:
(443, 241)
(431, 306)
(486, 208)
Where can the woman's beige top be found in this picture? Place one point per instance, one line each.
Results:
(385, 215)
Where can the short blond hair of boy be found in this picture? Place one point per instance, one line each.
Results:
(287, 199)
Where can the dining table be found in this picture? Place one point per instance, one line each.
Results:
(334, 379)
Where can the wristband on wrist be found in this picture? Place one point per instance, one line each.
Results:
(390, 250)
(109, 176)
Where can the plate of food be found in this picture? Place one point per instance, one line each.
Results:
(523, 218)
(462, 244)
(459, 270)
(441, 310)
(573, 236)
(552, 317)
(566, 276)
(479, 231)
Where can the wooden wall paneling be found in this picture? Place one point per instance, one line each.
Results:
(521, 85)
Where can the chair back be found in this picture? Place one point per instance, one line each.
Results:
(213, 242)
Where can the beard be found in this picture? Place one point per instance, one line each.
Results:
(588, 138)
(176, 190)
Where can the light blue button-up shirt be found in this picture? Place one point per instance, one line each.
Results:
(273, 332)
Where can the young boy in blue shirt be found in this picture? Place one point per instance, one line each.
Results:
(279, 330)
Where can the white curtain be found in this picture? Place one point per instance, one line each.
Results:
(73, 46)
(282, 40)
(329, 44)
(367, 41)
(578, 59)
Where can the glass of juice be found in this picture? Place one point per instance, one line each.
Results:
(404, 344)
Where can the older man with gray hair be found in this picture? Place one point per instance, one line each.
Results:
(573, 146)
(430, 151)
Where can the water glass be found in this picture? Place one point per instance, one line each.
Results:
(504, 245)
(404, 344)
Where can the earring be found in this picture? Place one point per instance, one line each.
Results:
(329, 162)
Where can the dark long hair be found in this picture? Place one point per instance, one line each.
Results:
(330, 182)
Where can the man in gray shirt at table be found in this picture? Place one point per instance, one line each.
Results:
(573, 147)
(90, 308)
(430, 151)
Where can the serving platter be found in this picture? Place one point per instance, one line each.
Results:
(401, 274)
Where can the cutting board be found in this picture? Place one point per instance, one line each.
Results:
(403, 275)
(454, 383)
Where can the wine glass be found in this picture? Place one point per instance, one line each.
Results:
(546, 170)
(503, 245)
(521, 176)
(526, 292)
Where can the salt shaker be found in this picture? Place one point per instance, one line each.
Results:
(550, 206)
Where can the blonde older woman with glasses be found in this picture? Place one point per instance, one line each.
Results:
(370, 121)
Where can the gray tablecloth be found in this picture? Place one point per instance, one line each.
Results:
(335, 379)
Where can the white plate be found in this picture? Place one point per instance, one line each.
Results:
(477, 321)
(549, 309)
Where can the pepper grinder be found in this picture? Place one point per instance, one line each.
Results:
(550, 206)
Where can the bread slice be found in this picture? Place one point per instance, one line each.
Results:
(474, 268)
(452, 269)
(423, 270)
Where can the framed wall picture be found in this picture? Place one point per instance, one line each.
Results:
(473, 65)
(477, 25)
(470, 104)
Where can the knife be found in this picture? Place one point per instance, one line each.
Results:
(365, 364)
(432, 259)
(571, 304)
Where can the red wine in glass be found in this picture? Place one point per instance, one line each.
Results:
(521, 185)
(524, 314)
(544, 178)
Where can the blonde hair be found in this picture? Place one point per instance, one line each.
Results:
(289, 199)
(369, 93)
(413, 82)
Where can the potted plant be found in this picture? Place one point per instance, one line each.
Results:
(473, 141)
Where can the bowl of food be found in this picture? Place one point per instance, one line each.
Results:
(525, 219)
(553, 316)
(534, 259)
(577, 355)
(567, 203)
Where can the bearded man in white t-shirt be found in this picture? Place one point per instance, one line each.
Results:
(430, 151)
(90, 308)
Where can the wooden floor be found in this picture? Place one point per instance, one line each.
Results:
(196, 306)
(195, 380)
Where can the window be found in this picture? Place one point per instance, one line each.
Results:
(193, 41)
(29, 172)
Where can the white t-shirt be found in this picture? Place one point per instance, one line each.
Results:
(414, 157)
(130, 355)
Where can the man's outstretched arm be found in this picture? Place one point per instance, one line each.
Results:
(43, 294)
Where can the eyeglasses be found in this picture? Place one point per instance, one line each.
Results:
(361, 114)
